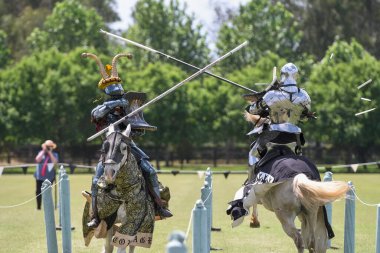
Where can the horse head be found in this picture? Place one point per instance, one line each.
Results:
(116, 149)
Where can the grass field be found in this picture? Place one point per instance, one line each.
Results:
(22, 228)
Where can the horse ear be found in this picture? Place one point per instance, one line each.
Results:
(111, 129)
(127, 131)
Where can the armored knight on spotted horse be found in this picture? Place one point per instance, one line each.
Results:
(122, 184)
(114, 108)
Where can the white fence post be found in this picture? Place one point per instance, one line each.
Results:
(47, 199)
(176, 243)
(328, 178)
(200, 242)
(65, 212)
(378, 230)
(205, 196)
(349, 221)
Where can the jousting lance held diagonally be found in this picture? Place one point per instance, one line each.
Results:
(170, 90)
(128, 41)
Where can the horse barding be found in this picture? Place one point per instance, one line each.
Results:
(122, 198)
(289, 185)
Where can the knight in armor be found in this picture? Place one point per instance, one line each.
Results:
(276, 115)
(279, 112)
(114, 108)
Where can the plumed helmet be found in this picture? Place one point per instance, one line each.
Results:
(110, 82)
(289, 74)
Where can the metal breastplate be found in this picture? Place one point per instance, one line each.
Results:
(286, 107)
(114, 116)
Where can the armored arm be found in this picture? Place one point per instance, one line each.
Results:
(102, 110)
(259, 108)
(306, 103)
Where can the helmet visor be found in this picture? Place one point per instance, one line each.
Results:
(114, 89)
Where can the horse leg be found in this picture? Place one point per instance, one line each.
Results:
(314, 231)
(131, 249)
(255, 223)
(320, 234)
(108, 248)
(122, 250)
(287, 221)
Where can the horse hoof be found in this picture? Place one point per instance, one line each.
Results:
(254, 224)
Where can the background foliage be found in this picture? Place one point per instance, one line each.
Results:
(48, 91)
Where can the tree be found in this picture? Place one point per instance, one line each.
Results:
(325, 21)
(48, 94)
(19, 18)
(172, 114)
(266, 26)
(4, 50)
(335, 97)
(19, 22)
(104, 8)
(70, 25)
(169, 29)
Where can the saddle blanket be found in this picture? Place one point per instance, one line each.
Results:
(283, 167)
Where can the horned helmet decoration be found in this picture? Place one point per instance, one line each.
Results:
(110, 82)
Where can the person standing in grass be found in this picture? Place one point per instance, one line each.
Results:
(46, 160)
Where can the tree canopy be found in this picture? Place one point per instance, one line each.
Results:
(336, 98)
(267, 27)
(70, 25)
(20, 18)
(322, 22)
(169, 29)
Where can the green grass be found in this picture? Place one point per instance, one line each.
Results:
(22, 228)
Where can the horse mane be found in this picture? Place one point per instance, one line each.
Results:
(312, 193)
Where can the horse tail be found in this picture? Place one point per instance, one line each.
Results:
(313, 193)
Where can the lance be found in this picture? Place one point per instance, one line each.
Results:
(274, 79)
(175, 59)
(170, 90)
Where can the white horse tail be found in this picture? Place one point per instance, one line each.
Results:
(312, 193)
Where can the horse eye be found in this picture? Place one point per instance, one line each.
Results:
(106, 146)
(123, 147)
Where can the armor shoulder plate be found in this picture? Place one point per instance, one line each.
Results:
(303, 99)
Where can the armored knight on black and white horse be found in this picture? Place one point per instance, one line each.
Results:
(276, 114)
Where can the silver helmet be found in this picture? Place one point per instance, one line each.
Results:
(289, 74)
